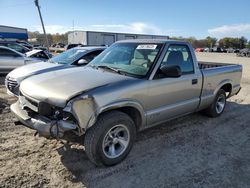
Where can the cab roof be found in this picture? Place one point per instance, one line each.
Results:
(162, 41)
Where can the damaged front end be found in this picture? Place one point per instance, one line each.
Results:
(47, 120)
(83, 108)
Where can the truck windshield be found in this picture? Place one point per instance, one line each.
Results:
(69, 56)
(131, 58)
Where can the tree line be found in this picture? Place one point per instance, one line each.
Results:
(208, 42)
(52, 38)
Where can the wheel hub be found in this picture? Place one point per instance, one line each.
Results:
(116, 141)
(220, 104)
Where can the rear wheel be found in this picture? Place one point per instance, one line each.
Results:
(218, 105)
(109, 141)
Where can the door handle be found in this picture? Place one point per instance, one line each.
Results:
(194, 81)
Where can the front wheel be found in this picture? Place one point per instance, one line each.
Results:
(218, 105)
(109, 141)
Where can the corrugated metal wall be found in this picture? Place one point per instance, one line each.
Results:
(105, 38)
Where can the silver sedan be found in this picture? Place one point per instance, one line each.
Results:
(11, 59)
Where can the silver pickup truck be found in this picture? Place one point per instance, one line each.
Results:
(131, 86)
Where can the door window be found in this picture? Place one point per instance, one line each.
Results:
(179, 55)
(9, 53)
(90, 56)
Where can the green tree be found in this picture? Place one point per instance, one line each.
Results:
(229, 42)
(248, 44)
(210, 41)
(242, 42)
(52, 38)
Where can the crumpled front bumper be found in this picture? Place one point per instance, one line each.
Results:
(44, 126)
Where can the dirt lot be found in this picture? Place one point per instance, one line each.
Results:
(193, 151)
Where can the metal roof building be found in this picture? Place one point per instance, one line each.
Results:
(8, 32)
(106, 38)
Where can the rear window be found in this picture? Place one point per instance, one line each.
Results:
(6, 52)
(69, 56)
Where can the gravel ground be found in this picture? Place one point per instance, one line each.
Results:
(192, 151)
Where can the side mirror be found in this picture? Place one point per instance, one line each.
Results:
(171, 71)
(82, 62)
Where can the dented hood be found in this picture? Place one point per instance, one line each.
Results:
(59, 86)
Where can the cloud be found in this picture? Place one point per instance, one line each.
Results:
(235, 30)
(52, 29)
(135, 27)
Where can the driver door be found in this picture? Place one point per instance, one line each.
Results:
(171, 97)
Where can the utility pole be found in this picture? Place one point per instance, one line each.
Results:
(44, 32)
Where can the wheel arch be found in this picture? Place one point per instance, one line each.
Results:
(226, 85)
(132, 108)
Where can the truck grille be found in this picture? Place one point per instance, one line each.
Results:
(12, 85)
(32, 106)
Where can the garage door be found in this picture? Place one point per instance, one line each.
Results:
(108, 39)
(129, 37)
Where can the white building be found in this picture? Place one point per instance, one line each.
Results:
(105, 38)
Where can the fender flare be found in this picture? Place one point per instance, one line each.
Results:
(117, 105)
(222, 83)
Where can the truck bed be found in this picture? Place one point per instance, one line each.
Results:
(215, 75)
(209, 65)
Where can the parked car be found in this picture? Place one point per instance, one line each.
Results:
(15, 46)
(131, 86)
(11, 59)
(199, 50)
(69, 46)
(78, 56)
(43, 55)
(244, 52)
(206, 50)
(217, 49)
(25, 44)
(232, 50)
(58, 45)
(236, 50)
(39, 47)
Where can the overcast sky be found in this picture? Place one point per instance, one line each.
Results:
(217, 18)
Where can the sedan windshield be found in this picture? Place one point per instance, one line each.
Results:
(131, 58)
(69, 56)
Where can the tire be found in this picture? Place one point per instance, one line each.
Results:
(107, 149)
(215, 109)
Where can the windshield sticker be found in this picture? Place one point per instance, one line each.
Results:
(147, 46)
